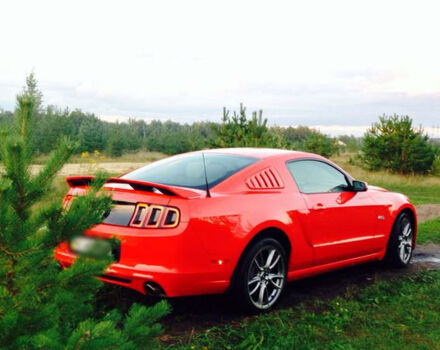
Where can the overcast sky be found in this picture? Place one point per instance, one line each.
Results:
(326, 63)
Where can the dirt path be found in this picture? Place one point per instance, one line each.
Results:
(427, 211)
(90, 168)
(195, 314)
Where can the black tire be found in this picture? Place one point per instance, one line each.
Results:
(249, 275)
(401, 243)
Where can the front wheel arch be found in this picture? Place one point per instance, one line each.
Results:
(412, 216)
(391, 258)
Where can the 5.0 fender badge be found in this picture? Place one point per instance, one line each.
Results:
(381, 217)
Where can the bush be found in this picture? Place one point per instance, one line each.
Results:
(435, 168)
(394, 144)
(42, 306)
(321, 144)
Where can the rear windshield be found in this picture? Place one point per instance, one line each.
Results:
(188, 171)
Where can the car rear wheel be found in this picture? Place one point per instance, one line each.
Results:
(261, 277)
(401, 243)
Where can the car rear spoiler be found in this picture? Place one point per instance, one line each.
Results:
(83, 181)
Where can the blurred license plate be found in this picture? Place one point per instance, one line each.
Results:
(91, 246)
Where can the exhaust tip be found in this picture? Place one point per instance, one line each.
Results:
(153, 289)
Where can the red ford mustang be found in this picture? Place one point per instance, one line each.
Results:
(242, 220)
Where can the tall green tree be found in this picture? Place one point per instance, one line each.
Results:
(394, 144)
(42, 306)
(237, 130)
(91, 134)
(115, 145)
(31, 89)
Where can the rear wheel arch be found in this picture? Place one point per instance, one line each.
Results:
(269, 232)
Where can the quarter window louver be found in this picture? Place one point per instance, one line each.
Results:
(265, 179)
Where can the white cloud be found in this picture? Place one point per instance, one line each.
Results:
(320, 62)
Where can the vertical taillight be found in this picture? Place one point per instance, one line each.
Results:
(171, 218)
(139, 215)
(155, 216)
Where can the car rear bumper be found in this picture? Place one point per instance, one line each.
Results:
(172, 282)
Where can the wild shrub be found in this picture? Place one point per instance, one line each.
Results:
(394, 144)
(321, 144)
(435, 167)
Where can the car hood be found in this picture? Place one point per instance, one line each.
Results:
(376, 188)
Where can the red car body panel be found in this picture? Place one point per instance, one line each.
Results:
(325, 231)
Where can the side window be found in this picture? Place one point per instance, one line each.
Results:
(313, 176)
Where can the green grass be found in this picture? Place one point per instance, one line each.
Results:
(429, 231)
(418, 193)
(421, 189)
(400, 314)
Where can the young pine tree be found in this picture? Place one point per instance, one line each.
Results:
(240, 131)
(42, 306)
(395, 144)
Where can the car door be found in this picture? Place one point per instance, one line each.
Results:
(340, 224)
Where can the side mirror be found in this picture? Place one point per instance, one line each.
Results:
(358, 186)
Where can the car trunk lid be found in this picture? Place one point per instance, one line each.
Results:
(135, 200)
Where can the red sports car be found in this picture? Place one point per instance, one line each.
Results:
(242, 220)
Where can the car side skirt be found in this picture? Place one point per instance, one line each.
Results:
(315, 270)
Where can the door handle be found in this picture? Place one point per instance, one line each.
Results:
(318, 206)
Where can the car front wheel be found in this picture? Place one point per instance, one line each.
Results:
(401, 243)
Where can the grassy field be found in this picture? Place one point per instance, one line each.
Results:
(421, 189)
(399, 314)
(429, 231)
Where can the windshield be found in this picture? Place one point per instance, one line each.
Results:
(188, 171)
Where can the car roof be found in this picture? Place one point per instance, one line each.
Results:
(261, 153)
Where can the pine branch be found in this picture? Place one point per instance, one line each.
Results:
(45, 177)
(24, 113)
(36, 298)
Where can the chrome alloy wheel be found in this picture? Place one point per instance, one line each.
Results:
(406, 239)
(266, 277)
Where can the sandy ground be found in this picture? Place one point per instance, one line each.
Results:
(90, 168)
(427, 211)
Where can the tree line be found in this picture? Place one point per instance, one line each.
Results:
(91, 133)
(51, 123)
(392, 143)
